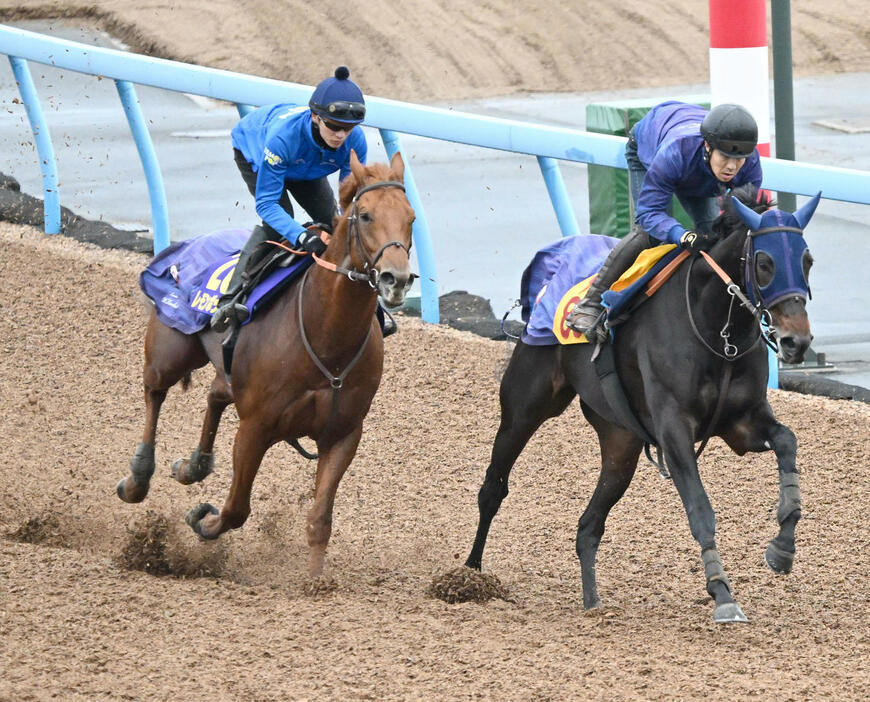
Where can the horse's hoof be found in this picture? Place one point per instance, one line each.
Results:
(136, 494)
(777, 560)
(319, 585)
(194, 469)
(195, 516)
(729, 612)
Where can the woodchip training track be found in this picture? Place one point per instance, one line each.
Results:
(102, 601)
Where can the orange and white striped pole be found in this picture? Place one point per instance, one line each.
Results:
(738, 60)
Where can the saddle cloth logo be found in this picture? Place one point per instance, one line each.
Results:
(215, 283)
(563, 332)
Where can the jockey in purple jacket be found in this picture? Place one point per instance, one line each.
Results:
(283, 150)
(683, 150)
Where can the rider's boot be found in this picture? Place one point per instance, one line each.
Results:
(230, 306)
(588, 313)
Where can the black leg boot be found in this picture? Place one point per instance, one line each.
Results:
(588, 312)
(230, 308)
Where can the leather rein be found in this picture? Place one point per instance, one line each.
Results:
(762, 315)
(369, 274)
(730, 351)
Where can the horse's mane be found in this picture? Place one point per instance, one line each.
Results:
(729, 221)
(348, 187)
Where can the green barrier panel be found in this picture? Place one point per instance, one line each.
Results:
(610, 211)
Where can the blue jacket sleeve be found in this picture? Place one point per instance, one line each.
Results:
(656, 193)
(270, 188)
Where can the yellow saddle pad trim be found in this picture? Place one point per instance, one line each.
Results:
(646, 260)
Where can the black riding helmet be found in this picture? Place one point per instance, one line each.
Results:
(339, 99)
(730, 129)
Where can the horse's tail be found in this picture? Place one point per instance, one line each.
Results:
(185, 382)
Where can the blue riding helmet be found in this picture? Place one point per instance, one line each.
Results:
(338, 99)
(778, 235)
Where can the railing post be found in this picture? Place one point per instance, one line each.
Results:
(558, 196)
(44, 148)
(425, 253)
(153, 176)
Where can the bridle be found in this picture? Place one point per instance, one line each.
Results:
(369, 274)
(760, 312)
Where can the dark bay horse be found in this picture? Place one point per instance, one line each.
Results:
(671, 357)
(308, 366)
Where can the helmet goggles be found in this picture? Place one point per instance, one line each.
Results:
(342, 111)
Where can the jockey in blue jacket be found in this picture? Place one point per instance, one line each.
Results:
(683, 150)
(283, 150)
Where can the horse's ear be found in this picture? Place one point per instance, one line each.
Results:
(397, 166)
(805, 213)
(358, 170)
(750, 217)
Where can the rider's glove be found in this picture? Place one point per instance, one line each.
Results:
(310, 241)
(697, 241)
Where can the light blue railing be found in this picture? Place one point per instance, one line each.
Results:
(548, 144)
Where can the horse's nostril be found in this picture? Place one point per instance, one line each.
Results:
(388, 279)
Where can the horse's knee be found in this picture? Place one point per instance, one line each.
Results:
(491, 495)
(319, 530)
(588, 538)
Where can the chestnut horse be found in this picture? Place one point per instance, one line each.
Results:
(308, 366)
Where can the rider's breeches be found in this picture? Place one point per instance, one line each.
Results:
(314, 196)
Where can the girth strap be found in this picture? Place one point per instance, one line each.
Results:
(605, 368)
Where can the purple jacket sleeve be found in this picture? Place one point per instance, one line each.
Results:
(659, 186)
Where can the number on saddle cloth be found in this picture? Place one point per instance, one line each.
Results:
(204, 266)
(559, 276)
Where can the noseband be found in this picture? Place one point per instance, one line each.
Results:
(370, 274)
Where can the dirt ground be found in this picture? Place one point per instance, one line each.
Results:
(100, 600)
(81, 619)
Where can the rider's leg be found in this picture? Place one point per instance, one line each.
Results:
(230, 307)
(636, 172)
(316, 198)
(702, 210)
(587, 312)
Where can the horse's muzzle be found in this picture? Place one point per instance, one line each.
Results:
(792, 329)
(394, 285)
(793, 347)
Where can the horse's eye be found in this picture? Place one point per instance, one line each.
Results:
(365, 217)
(806, 264)
(764, 269)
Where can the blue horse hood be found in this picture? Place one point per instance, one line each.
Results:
(779, 234)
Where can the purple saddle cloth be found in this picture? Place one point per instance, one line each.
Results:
(186, 279)
(553, 271)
